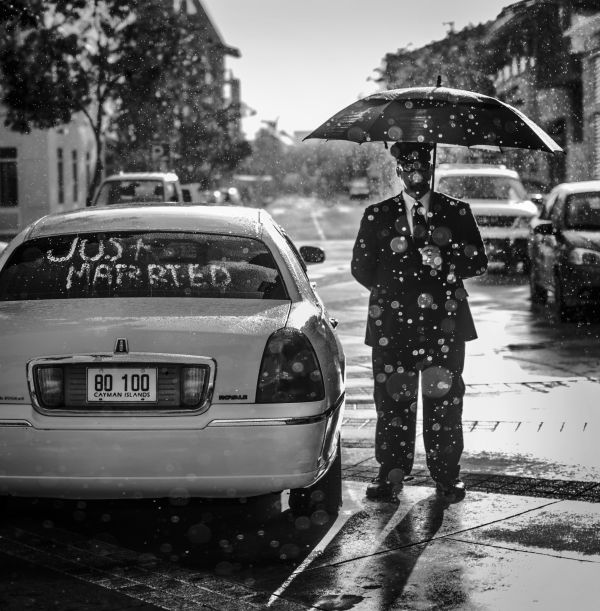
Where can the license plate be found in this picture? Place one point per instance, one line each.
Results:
(122, 385)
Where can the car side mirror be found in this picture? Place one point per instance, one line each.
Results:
(312, 254)
(545, 228)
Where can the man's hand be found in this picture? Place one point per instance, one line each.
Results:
(432, 256)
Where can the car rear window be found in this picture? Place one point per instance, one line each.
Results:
(127, 191)
(482, 187)
(583, 211)
(141, 264)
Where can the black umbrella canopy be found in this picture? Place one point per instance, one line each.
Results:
(439, 115)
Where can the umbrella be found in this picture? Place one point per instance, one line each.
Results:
(438, 115)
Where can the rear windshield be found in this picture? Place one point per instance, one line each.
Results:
(583, 211)
(131, 191)
(141, 264)
(483, 187)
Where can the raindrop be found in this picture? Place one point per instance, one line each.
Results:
(224, 568)
(451, 305)
(448, 325)
(289, 551)
(403, 384)
(401, 224)
(436, 381)
(201, 533)
(302, 523)
(425, 300)
(470, 251)
(395, 133)
(399, 244)
(357, 134)
(375, 311)
(320, 517)
(441, 236)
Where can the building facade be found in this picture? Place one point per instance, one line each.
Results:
(50, 170)
(44, 171)
(540, 56)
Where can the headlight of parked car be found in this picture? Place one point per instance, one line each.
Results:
(584, 256)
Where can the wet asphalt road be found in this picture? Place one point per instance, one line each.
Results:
(193, 554)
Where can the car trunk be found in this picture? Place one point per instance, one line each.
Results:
(233, 332)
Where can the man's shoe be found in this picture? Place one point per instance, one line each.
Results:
(386, 485)
(454, 492)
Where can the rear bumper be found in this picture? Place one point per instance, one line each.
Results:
(226, 459)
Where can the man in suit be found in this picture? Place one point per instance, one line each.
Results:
(412, 252)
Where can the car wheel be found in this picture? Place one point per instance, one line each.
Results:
(537, 293)
(324, 495)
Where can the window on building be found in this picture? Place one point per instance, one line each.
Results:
(8, 177)
(74, 165)
(61, 175)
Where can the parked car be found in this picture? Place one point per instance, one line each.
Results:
(3, 245)
(500, 205)
(358, 188)
(564, 247)
(139, 187)
(153, 350)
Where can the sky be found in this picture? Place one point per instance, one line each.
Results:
(303, 60)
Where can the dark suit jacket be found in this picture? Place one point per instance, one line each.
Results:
(409, 300)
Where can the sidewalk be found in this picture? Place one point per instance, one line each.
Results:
(527, 535)
(524, 432)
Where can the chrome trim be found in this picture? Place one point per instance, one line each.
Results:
(291, 421)
(15, 423)
(109, 358)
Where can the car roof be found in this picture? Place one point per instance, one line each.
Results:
(234, 220)
(578, 187)
(169, 176)
(474, 170)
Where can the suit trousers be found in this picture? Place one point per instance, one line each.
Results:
(397, 373)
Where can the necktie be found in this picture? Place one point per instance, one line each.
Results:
(419, 225)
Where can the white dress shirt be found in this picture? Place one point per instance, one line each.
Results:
(409, 203)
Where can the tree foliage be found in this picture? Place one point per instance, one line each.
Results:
(462, 59)
(122, 63)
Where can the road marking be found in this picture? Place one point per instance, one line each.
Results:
(317, 225)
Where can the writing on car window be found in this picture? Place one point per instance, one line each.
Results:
(141, 265)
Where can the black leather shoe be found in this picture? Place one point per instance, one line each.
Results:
(453, 492)
(381, 488)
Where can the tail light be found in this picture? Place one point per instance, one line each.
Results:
(289, 371)
(50, 385)
(192, 385)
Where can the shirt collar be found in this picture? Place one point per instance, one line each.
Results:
(409, 201)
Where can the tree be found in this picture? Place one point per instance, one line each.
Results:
(62, 57)
(462, 59)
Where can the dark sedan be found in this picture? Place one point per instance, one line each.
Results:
(564, 247)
